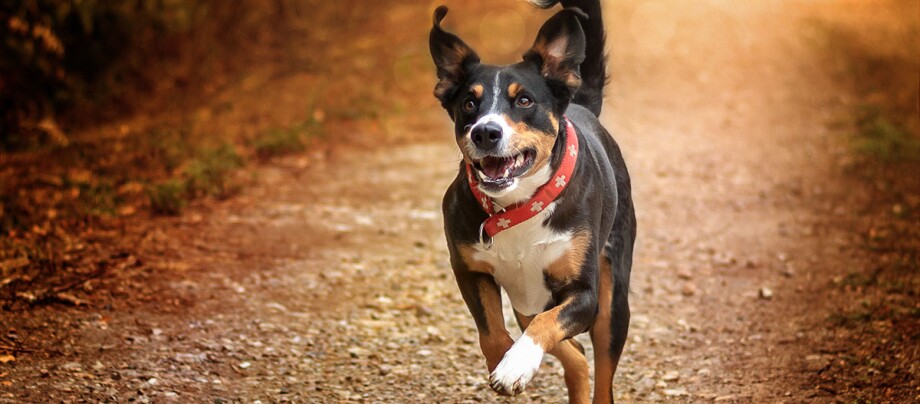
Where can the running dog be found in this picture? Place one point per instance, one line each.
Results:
(541, 205)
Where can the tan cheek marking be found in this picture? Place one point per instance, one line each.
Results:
(568, 266)
(525, 137)
(477, 90)
(555, 122)
(513, 90)
(467, 252)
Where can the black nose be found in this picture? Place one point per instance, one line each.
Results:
(487, 135)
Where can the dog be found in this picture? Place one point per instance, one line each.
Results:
(541, 206)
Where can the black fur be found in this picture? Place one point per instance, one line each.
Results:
(597, 198)
(594, 68)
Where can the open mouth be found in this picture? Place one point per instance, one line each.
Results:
(499, 172)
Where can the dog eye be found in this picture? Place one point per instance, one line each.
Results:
(524, 102)
(469, 106)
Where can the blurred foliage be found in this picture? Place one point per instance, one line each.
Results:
(79, 66)
(53, 51)
(278, 141)
(882, 138)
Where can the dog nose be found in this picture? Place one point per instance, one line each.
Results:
(487, 135)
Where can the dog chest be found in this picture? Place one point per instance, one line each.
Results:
(519, 257)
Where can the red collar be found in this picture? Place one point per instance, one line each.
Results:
(542, 198)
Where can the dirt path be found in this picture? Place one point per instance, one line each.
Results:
(328, 279)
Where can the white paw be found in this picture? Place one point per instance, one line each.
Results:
(517, 367)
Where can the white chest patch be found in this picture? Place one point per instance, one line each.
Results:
(518, 257)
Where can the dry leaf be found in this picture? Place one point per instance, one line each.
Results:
(7, 358)
(70, 299)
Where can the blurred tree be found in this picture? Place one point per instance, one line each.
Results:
(54, 53)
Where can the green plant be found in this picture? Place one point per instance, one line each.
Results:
(882, 138)
(168, 197)
(279, 141)
(209, 172)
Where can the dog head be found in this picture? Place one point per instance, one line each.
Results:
(507, 118)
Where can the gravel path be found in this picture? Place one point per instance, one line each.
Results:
(328, 280)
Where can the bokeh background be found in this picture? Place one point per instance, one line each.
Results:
(239, 200)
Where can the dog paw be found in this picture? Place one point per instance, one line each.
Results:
(517, 368)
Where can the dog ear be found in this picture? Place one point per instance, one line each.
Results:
(559, 50)
(452, 57)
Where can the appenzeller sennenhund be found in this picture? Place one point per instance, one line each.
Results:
(541, 205)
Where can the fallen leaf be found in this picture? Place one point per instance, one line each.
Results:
(70, 299)
(14, 263)
(7, 358)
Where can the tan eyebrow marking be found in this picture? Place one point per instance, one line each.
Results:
(477, 90)
(514, 89)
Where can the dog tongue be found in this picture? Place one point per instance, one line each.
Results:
(495, 167)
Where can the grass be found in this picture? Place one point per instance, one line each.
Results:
(880, 136)
(283, 140)
(168, 197)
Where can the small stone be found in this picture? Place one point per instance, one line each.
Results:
(684, 274)
(688, 290)
(765, 293)
(675, 392)
(245, 365)
(385, 370)
(671, 376)
(44, 373)
(424, 352)
(357, 352)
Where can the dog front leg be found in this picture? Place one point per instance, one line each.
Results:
(483, 298)
(542, 335)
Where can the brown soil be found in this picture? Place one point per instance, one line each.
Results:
(327, 279)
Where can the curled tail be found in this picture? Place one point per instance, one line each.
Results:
(594, 69)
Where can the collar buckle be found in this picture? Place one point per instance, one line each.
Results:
(483, 237)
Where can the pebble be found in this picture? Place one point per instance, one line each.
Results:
(358, 352)
(675, 392)
(245, 365)
(671, 376)
(688, 290)
(765, 293)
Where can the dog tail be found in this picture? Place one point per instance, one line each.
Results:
(594, 68)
